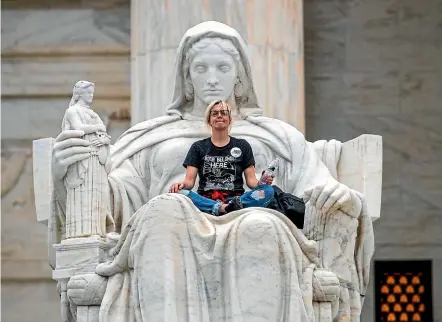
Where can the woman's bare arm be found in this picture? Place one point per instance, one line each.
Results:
(250, 175)
(189, 181)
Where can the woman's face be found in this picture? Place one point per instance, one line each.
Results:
(87, 95)
(213, 74)
(219, 117)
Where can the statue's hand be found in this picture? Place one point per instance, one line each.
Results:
(328, 197)
(69, 148)
(86, 289)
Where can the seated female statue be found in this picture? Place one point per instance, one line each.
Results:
(174, 262)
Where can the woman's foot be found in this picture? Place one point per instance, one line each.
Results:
(234, 204)
(222, 209)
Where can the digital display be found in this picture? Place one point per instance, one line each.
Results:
(403, 291)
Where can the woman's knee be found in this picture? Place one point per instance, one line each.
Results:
(268, 191)
(265, 192)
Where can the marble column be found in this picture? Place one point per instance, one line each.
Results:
(272, 29)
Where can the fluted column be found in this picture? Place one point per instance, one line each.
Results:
(272, 29)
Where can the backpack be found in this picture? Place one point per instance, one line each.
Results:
(289, 205)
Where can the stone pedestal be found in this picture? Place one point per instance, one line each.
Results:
(273, 30)
(76, 260)
(78, 256)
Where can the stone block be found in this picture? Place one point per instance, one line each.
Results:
(42, 157)
(78, 256)
(39, 76)
(57, 28)
(279, 70)
(420, 34)
(420, 92)
(360, 168)
(325, 50)
(372, 36)
(324, 93)
(373, 93)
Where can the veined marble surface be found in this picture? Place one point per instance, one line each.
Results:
(273, 31)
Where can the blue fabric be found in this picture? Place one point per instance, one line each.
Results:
(261, 196)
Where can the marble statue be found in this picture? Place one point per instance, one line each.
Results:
(164, 260)
(86, 183)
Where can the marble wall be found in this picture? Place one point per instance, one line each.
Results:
(44, 52)
(372, 66)
(272, 29)
(375, 67)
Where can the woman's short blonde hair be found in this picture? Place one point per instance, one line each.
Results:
(223, 104)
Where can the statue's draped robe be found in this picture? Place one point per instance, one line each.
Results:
(175, 263)
(86, 181)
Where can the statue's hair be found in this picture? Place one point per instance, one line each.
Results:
(228, 47)
(79, 89)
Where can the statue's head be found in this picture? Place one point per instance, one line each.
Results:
(213, 70)
(83, 92)
(212, 64)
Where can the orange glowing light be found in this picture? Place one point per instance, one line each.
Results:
(391, 298)
(416, 298)
(385, 308)
(397, 307)
(416, 280)
(421, 289)
(410, 289)
(391, 317)
(422, 308)
(410, 308)
(397, 289)
(404, 317)
(416, 317)
(403, 280)
(404, 298)
(390, 280)
(384, 289)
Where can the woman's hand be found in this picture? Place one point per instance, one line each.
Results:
(176, 187)
(266, 179)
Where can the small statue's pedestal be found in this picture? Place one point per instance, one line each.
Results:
(79, 257)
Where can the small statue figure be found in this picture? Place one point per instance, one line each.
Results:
(87, 188)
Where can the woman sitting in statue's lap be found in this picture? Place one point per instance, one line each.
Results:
(220, 161)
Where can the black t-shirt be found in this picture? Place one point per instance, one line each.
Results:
(220, 168)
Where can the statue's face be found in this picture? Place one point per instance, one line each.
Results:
(88, 95)
(213, 74)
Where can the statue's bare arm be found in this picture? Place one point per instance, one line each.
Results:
(76, 123)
